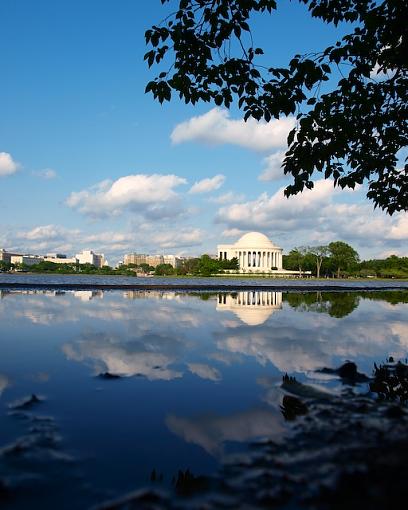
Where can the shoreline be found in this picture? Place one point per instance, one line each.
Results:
(193, 287)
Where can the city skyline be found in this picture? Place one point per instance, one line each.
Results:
(88, 160)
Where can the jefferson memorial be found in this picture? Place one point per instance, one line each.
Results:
(255, 252)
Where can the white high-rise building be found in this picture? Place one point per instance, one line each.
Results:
(27, 260)
(58, 258)
(172, 260)
(89, 257)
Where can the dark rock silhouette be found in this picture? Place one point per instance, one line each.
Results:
(299, 389)
(25, 403)
(108, 376)
(347, 372)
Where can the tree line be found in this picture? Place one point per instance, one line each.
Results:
(200, 266)
(339, 259)
(51, 267)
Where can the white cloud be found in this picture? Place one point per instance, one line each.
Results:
(180, 238)
(150, 238)
(151, 195)
(45, 239)
(46, 173)
(276, 210)
(273, 170)
(7, 165)
(216, 127)
(228, 197)
(46, 233)
(209, 184)
(233, 232)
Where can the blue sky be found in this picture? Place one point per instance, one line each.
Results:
(87, 160)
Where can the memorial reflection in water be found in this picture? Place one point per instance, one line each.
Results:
(251, 307)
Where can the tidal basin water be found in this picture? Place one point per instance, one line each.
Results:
(98, 389)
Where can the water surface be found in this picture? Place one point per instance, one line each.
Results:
(233, 282)
(199, 379)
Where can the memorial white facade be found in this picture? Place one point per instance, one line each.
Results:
(255, 252)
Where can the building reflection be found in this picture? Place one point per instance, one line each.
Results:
(251, 307)
(87, 295)
(30, 292)
(152, 294)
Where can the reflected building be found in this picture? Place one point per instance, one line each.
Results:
(152, 294)
(87, 295)
(30, 292)
(252, 307)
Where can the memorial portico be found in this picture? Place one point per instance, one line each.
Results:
(255, 253)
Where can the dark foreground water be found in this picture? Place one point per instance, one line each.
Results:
(134, 386)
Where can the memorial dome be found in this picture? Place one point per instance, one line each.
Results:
(254, 239)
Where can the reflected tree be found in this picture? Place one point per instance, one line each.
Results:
(335, 304)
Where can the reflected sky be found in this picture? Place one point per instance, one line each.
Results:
(199, 372)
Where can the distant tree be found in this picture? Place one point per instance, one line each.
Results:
(208, 266)
(391, 267)
(343, 256)
(146, 268)
(350, 129)
(164, 270)
(295, 260)
(4, 266)
(319, 253)
(188, 266)
(229, 264)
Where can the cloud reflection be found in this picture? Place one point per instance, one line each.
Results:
(4, 383)
(149, 356)
(204, 371)
(212, 431)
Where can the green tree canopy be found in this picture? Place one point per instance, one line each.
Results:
(343, 256)
(319, 253)
(296, 259)
(351, 132)
(164, 270)
(208, 266)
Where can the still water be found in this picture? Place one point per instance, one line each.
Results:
(199, 380)
(118, 281)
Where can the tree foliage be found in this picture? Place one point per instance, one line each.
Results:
(320, 253)
(343, 256)
(164, 270)
(351, 133)
(296, 260)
